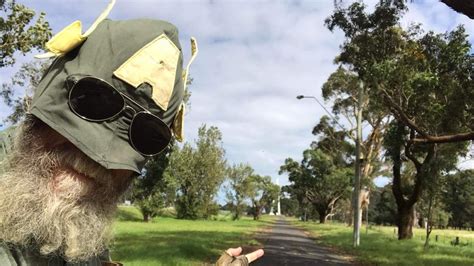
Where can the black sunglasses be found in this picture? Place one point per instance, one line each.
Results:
(95, 100)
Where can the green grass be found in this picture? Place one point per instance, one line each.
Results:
(380, 246)
(169, 241)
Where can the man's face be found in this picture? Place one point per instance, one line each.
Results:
(82, 178)
(55, 197)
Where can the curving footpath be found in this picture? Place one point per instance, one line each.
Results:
(288, 245)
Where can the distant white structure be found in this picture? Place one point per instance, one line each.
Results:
(278, 201)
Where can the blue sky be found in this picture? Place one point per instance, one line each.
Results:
(255, 57)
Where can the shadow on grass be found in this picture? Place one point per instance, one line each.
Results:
(125, 215)
(174, 247)
(379, 248)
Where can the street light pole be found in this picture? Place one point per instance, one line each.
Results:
(358, 140)
(356, 196)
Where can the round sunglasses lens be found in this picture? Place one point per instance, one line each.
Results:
(94, 99)
(148, 134)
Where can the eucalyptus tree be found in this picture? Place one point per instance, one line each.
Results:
(324, 175)
(261, 192)
(199, 170)
(297, 194)
(342, 89)
(432, 98)
(155, 188)
(423, 80)
(238, 177)
(323, 182)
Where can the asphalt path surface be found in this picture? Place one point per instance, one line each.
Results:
(288, 245)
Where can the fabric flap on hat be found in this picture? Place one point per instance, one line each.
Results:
(178, 123)
(156, 64)
(71, 36)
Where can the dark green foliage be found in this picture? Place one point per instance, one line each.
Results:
(324, 175)
(262, 192)
(297, 193)
(238, 190)
(382, 208)
(289, 207)
(198, 171)
(426, 75)
(369, 37)
(19, 33)
(333, 142)
(459, 199)
(153, 190)
(423, 80)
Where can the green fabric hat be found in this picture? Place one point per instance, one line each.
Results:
(142, 59)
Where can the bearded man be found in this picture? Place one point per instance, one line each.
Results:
(112, 98)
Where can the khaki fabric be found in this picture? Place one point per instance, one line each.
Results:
(154, 64)
(178, 124)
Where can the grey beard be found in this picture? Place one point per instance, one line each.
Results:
(61, 216)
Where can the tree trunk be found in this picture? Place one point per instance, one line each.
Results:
(406, 204)
(256, 216)
(236, 215)
(322, 218)
(237, 209)
(351, 216)
(404, 218)
(429, 226)
(323, 212)
(256, 213)
(405, 221)
(146, 217)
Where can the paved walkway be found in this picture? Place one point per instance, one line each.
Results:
(288, 245)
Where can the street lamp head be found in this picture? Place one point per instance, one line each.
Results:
(299, 97)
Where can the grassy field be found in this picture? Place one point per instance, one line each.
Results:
(380, 246)
(169, 241)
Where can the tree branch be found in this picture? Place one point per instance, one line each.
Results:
(469, 136)
(397, 180)
(421, 174)
(410, 155)
(426, 138)
(398, 112)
